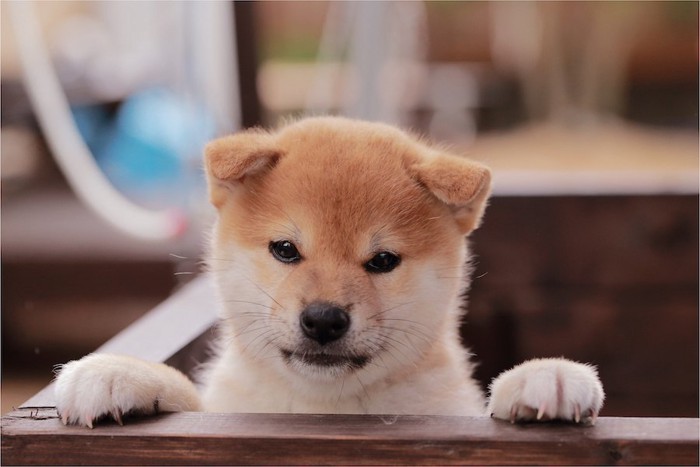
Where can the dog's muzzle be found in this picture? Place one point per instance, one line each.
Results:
(323, 324)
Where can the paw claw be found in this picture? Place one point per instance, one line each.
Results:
(513, 413)
(594, 418)
(577, 413)
(88, 422)
(541, 411)
(117, 416)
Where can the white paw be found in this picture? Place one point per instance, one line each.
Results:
(112, 385)
(547, 389)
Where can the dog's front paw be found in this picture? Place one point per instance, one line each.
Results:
(547, 389)
(113, 385)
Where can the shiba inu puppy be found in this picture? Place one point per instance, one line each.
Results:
(339, 257)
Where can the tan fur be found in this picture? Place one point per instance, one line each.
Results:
(342, 191)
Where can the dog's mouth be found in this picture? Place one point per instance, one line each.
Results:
(326, 360)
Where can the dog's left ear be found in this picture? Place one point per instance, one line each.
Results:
(462, 184)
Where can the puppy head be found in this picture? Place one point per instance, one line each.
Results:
(339, 246)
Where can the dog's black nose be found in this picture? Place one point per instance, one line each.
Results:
(324, 322)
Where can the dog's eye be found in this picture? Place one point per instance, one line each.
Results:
(382, 262)
(285, 251)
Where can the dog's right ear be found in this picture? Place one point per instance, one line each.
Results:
(229, 160)
(460, 183)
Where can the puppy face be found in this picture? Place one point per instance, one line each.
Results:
(340, 245)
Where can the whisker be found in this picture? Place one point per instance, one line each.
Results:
(246, 330)
(405, 320)
(340, 395)
(261, 335)
(269, 340)
(389, 309)
(391, 349)
(392, 342)
(256, 314)
(364, 389)
(450, 267)
(178, 256)
(249, 302)
(414, 329)
(269, 296)
(410, 332)
(376, 347)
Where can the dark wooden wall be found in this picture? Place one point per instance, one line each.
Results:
(611, 280)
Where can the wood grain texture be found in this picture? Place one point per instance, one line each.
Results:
(37, 437)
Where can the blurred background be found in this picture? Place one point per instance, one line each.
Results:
(586, 111)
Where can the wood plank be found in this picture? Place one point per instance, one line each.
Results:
(37, 437)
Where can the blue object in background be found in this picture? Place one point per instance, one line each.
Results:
(150, 148)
